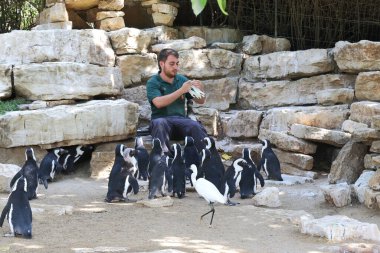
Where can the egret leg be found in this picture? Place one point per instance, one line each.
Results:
(211, 211)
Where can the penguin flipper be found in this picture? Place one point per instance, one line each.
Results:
(135, 185)
(15, 177)
(4, 213)
(260, 177)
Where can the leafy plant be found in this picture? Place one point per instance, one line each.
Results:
(199, 5)
(11, 105)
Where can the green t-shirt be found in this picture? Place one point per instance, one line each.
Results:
(156, 87)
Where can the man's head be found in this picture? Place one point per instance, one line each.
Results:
(168, 62)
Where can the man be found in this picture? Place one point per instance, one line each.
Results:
(167, 92)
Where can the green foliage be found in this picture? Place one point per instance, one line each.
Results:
(19, 14)
(199, 5)
(11, 105)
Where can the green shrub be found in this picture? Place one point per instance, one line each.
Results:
(11, 105)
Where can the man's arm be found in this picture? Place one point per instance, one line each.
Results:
(166, 100)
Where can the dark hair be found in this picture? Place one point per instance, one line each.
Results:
(164, 54)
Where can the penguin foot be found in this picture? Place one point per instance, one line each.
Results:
(230, 203)
(131, 200)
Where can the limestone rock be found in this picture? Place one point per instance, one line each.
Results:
(235, 148)
(295, 64)
(82, 22)
(211, 35)
(81, 46)
(55, 26)
(208, 118)
(111, 5)
(179, 45)
(138, 95)
(365, 135)
(162, 33)
(357, 57)
(81, 4)
(269, 197)
(289, 180)
(364, 111)
(51, 209)
(338, 228)
(370, 161)
(287, 168)
(5, 81)
(109, 14)
(165, 8)
(226, 46)
(50, 3)
(7, 171)
(252, 44)
(163, 18)
(331, 137)
(255, 44)
(55, 13)
(137, 68)
(376, 122)
(362, 184)
(101, 164)
(351, 126)
(86, 123)
(209, 63)
(262, 95)
(287, 142)
(110, 24)
(130, 41)
(371, 198)
(328, 117)
(63, 80)
(158, 202)
(349, 165)
(226, 95)
(339, 194)
(241, 123)
(367, 85)
(302, 161)
(375, 147)
(374, 181)
(335, 96)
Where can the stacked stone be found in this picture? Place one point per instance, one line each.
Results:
(110, 16)
(163, 12)
(54, 16)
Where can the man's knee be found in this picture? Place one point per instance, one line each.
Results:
(159, 124)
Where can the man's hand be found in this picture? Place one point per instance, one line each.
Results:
(186, 86)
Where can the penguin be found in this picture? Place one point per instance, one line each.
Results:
(191, 156)
(215, 158)
(121, 180)
(73, 156)
(50, 166)
(249, 176)
(210, 170)
(155, 154)
(142, 156)
(18, 211)
(30, 172)
(232, 177)
(269, 162)
(178, 167)
(158, 177)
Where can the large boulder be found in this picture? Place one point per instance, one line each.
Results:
(328, 117)
(179, 45)
(137, 68)
(208, 117)
(374, 181)
(209, 63)
(5, 81)
(364, 111)
(55, 13)
(162, 33)
(65, 125)
(361, 185)
(239, 124)
(130, 40)
(7, 172)
(367, 86)
(211, 35)
(261, 95)
(301, 161)
(349, 164)
(255, 44)
(357, 57)
(81, 4)
(331, 137)
(335, 96)
(66, 80)
(225, 96)
(81, 46)
(339, 194)
(288, 64)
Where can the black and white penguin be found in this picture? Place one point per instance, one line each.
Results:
(269, 162)
(211, 170)
(30, 171)
(142, 156)
(18, 211)
(232, 177)
(190, 156)
(50, 166)
(158, 177)
(155, 154)
(178, 167)
(121, 180)
(249, 176)
(74, 155)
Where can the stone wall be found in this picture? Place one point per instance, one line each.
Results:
(255, 88)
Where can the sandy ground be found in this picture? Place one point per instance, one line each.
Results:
(128, 227)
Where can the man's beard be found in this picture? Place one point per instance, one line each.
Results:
(169, 74)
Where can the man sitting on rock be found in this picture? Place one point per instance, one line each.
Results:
(167, 92)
